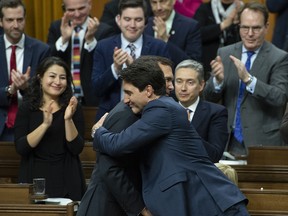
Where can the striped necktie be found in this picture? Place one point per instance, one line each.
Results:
(76, 63)
(238, 125)
(132, 48)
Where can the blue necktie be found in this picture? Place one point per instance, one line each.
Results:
(238, 126)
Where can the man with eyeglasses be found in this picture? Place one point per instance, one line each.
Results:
(251, 79)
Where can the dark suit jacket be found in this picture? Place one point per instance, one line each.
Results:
(262, 111)
(210, 33)
(185, 34)
(86, 58)
(177, 175)
(103, 82)
(116, 180)
(280, 33)
(1, 31)
(210, 121)
(34, 52)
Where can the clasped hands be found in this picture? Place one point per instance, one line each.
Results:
(218, 69)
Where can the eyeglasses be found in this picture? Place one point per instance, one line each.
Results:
(255, 29)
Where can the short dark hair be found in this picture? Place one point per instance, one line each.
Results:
(34, 93)
(256, 6)
(145, 71)
(11, 4)
(123, 4)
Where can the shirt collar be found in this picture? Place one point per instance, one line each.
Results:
(138, 43)
(193, 106)
(20, 44)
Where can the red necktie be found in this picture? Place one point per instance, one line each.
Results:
(13, 108)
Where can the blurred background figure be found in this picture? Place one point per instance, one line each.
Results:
(187, 7)
(218, 20)
(280, 34)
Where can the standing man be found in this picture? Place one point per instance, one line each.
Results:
(175, 29)
(178, 177)
(114, 53)
(209, 119)
(251, 79)
(74, 38)
(19, 57)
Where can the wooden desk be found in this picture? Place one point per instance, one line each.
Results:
(38, 209)
(266, 200)
(15, 193)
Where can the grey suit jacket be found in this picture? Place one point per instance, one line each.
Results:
(262, 111)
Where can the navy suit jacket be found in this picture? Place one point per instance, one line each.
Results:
(185, 34)
(34, 52)
(103, 81)
(177, 175)
(86, 58)
(210, 121)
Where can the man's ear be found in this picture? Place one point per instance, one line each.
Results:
(149, 91)
(63, 7)
(117, 20)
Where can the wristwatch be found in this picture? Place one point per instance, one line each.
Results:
(250, 80)
(8, 90)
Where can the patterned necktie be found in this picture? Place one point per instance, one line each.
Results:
(76, 63)
(13, 108)
(238, 126)
(132, 50)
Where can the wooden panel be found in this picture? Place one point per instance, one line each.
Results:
(270, 200)
(38, 209)
(15, 193)
(89, 118)
(273, 155)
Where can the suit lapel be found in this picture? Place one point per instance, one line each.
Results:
(28, 53)
(146, 45)
(198, 115)
(4, 79)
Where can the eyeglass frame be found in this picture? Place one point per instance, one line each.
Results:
(255, 29)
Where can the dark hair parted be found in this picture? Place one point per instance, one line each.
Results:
(256, 6)
(35, 95)
(145, 71)
(11, 4)
(123, 4)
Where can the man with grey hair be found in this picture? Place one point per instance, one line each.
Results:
(209, 119)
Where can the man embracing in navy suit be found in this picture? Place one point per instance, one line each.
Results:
(29, 52)
(178, 177)
(209, 119)
(114, 53)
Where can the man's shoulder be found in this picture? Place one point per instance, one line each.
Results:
(179, 18)
(30, 41)
(213, 106)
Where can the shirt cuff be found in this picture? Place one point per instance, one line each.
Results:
(251, 87)
(60, 46)
(91, 46)
(114, 72)
(217, 86)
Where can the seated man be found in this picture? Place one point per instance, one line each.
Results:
(209, 119)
